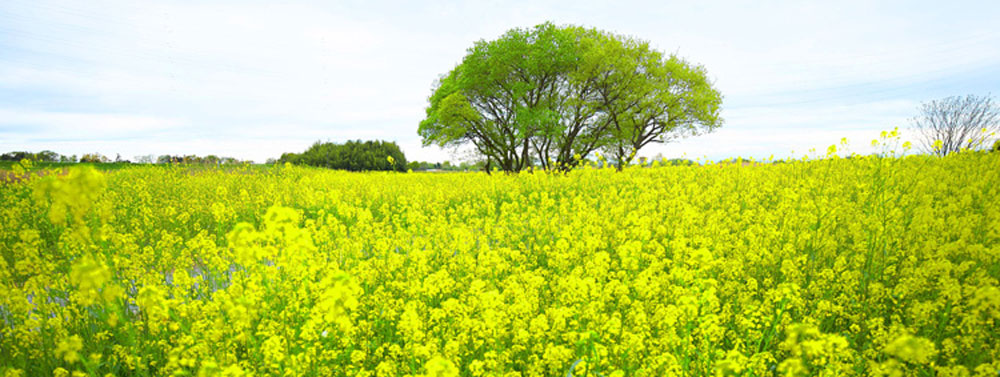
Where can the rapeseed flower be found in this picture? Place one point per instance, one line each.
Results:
(860, 266)
(68, 349)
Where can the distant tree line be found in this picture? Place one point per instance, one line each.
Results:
(191, 159)
(50, 156)
(355, 155)
(446, 166)
(43, 156)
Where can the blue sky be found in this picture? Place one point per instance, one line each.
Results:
(254, 79)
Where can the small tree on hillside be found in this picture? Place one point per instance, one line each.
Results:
(955, 123)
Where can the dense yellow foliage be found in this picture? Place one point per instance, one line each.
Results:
(861, 266)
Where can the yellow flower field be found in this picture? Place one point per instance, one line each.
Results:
(828, 267)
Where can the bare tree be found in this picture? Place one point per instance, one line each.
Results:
(957, 122)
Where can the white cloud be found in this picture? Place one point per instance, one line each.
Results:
(769, 131)
(29, 125)
(260, 79)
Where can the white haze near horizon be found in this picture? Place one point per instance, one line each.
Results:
(254, 79)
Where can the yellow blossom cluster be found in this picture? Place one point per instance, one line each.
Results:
(832, 266)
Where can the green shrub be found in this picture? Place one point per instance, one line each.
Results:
(353, 155)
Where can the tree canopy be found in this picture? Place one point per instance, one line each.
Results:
(551, 95)
(352, 155)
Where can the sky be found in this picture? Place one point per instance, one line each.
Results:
(255, 79)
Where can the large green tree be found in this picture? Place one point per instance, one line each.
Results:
(549, 95)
